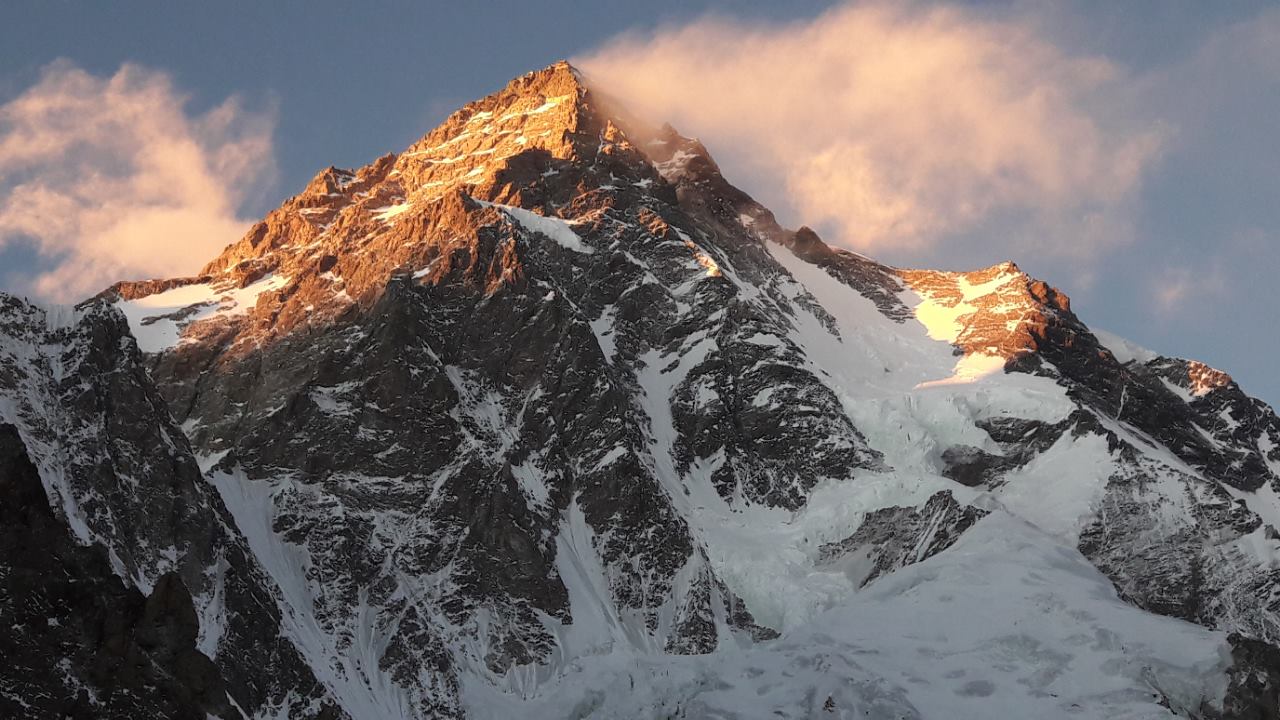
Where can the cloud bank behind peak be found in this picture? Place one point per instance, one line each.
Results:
(900, 126)
(105, 178)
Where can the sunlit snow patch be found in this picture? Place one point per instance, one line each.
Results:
(157, 320)
(971, 367)
(699, 255)
(547, 104)
(389, 212)
(943, 322)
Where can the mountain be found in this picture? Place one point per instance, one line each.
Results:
(542, 417)
(125, 589)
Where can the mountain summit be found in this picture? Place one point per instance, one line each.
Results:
(542, 417)
(357, 228)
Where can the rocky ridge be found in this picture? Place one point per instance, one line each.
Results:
(137, 530)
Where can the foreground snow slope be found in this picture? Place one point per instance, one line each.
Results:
(1006, 623)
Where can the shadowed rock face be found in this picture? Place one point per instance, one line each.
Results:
(77, 641)
(135, 518)
(1254, 693)
(464, 414)
(895, 537)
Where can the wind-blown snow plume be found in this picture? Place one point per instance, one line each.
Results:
(899, 125)
(111, 177)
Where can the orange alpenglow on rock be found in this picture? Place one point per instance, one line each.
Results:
(338, 242)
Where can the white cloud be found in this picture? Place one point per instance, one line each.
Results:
(111, 178)
(901, 126)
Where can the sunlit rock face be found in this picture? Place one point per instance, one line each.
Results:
(542, 417)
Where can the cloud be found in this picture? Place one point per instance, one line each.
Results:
(902, 126)
(1177, 289)
(111, 178)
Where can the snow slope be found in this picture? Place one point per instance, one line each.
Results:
(157, 320)
(1006, 623)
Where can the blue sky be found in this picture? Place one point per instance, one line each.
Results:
(1179, 252)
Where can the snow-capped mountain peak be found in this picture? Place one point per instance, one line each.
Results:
(543, 417)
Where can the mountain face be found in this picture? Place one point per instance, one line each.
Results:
(542, 417)
(125, 588)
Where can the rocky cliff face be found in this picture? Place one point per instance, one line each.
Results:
(81, 643)
(542, 417)
(122, 569)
